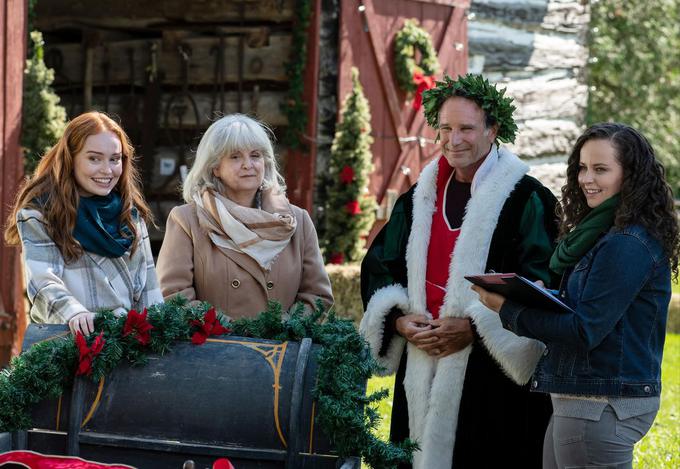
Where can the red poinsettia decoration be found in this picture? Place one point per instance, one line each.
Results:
(347, 175)
(353, 207)
(87, 354)
(423, 82)
(137, 326)
(209, 326)
(336, 258)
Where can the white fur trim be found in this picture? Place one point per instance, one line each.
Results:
(517, 356)
(372, 326)
(434, 387)
(486, 167)
(424, 198)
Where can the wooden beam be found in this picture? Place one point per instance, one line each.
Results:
(135, 14)
(12, 57)
(264, 62)
(264, 104)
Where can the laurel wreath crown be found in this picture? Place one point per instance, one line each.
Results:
(494, 103)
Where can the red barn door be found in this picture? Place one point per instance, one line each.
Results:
(403, 141)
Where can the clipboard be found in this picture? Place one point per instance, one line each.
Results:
(518, 289)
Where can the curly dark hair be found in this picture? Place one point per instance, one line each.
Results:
(646, 198)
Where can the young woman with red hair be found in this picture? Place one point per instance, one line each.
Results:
(81, 222)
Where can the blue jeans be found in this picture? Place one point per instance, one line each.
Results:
(575, 443)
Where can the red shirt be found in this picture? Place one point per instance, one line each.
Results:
(444, 234)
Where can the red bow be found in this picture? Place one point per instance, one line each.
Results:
(352, 207)
(137, 325)
(209, 326)
(87, 354)
(423, 82)
(347, 174)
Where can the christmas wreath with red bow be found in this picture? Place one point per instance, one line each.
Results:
(414, 77)
(44, 370)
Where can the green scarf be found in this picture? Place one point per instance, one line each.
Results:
(98, 227)
(584, 235)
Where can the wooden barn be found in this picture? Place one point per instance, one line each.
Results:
(168, 68)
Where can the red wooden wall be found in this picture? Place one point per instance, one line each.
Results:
(367, 30)
(12, 54)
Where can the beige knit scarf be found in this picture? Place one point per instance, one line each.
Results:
(259, 233)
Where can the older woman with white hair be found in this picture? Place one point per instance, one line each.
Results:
(238, 242)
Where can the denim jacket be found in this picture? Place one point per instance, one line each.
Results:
(613, 344)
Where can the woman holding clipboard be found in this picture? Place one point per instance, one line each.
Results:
(618, 247)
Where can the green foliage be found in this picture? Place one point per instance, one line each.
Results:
(409, 39)
(48, 367)
(349, 169)
(478, 89)
(43, 119)
(634, 72)
(294, 107)
(659, 448)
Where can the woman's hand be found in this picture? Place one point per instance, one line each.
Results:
(493, 301)
(82, 322)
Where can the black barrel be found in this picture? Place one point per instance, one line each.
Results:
(248, 400)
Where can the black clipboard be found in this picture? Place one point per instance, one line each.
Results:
(518, 289)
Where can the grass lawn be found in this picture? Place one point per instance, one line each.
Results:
(659, 449)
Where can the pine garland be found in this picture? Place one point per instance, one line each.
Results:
(406, 41)
(349, 210)
(294, 107)
(48, 367)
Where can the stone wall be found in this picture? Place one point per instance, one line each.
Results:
(537, 49)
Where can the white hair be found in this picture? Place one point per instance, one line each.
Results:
(225, 136)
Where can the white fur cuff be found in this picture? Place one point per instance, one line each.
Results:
(516, 355)
(372, 326)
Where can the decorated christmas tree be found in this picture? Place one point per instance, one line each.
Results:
(349, 209)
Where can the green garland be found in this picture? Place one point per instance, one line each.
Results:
(475, 87)
(406, 41)
(294, 107)
(43, 371)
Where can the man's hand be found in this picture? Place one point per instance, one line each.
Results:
(411, 324)
(447, 336)
(82, 322)
(493, 301)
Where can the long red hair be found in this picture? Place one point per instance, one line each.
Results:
(53, 190)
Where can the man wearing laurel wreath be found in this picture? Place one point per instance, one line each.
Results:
(460, 388)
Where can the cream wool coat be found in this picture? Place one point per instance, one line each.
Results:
(189, 264)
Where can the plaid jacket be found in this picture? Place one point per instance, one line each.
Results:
(58, 291)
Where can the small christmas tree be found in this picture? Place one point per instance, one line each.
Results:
(349, 210)
(43, 119)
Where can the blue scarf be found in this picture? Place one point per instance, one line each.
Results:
(98, 227)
